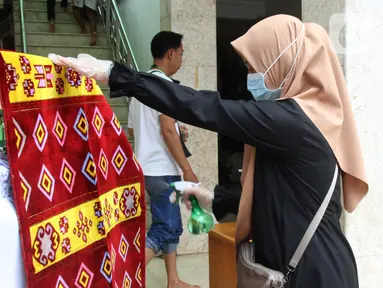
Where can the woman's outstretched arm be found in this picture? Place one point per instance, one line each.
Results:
(268, 124)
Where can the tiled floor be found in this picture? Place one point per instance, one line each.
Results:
(193, 269)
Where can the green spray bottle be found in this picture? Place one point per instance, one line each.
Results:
(200, 221)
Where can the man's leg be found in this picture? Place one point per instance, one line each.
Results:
(93, 25)
(171, 268)
(51, 14)
(149, 255)
(64, 5)
(156, 188)
(78, 15)
(91, 12)
(166, 226)
(171, 271)
(170, 247)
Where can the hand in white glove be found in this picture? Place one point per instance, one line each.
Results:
(204, 196)
(86, 65)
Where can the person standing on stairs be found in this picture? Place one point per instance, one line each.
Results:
(163, 157)
(90, 7)
(51, 5)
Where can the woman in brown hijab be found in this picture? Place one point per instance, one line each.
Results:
(302, 130)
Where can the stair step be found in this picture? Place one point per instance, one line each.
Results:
(114, 101)
(61, 27)
(41, 15)
(72, 51)
(67, 41)
(121, 112)
(123, 122)
(42, 5)
(105, 90)
(120, 101)
(44, 1)
(62, 39)
(119, 105)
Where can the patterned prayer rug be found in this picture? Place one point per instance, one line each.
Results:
(78, 187)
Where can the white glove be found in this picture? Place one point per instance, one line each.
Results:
(204, 196)
(86, 65)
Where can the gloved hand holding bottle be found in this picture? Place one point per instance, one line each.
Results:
(204, 196)
(200, 221)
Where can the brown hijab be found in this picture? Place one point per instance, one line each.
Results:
(316, 83)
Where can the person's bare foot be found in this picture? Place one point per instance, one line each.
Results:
(180, 284)
(52, 27)
(93, 39)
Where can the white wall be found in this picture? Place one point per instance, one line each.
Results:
(364, 62)
(142, 22)
(196, 20)
(165, 15)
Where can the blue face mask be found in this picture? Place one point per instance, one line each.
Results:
(256, 81)
(257, 87)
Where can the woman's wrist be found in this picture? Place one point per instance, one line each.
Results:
(110, 67)
(209, 209)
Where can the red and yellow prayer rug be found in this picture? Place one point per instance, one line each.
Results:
(77, 185)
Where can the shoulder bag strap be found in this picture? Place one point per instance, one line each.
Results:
(313, 225)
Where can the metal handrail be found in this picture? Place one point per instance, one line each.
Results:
(22, 28)
(119, 46)
(118, 43)
(125, 36)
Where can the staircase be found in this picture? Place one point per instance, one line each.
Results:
(66, 41)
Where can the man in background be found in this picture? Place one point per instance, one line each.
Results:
(163, 158)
